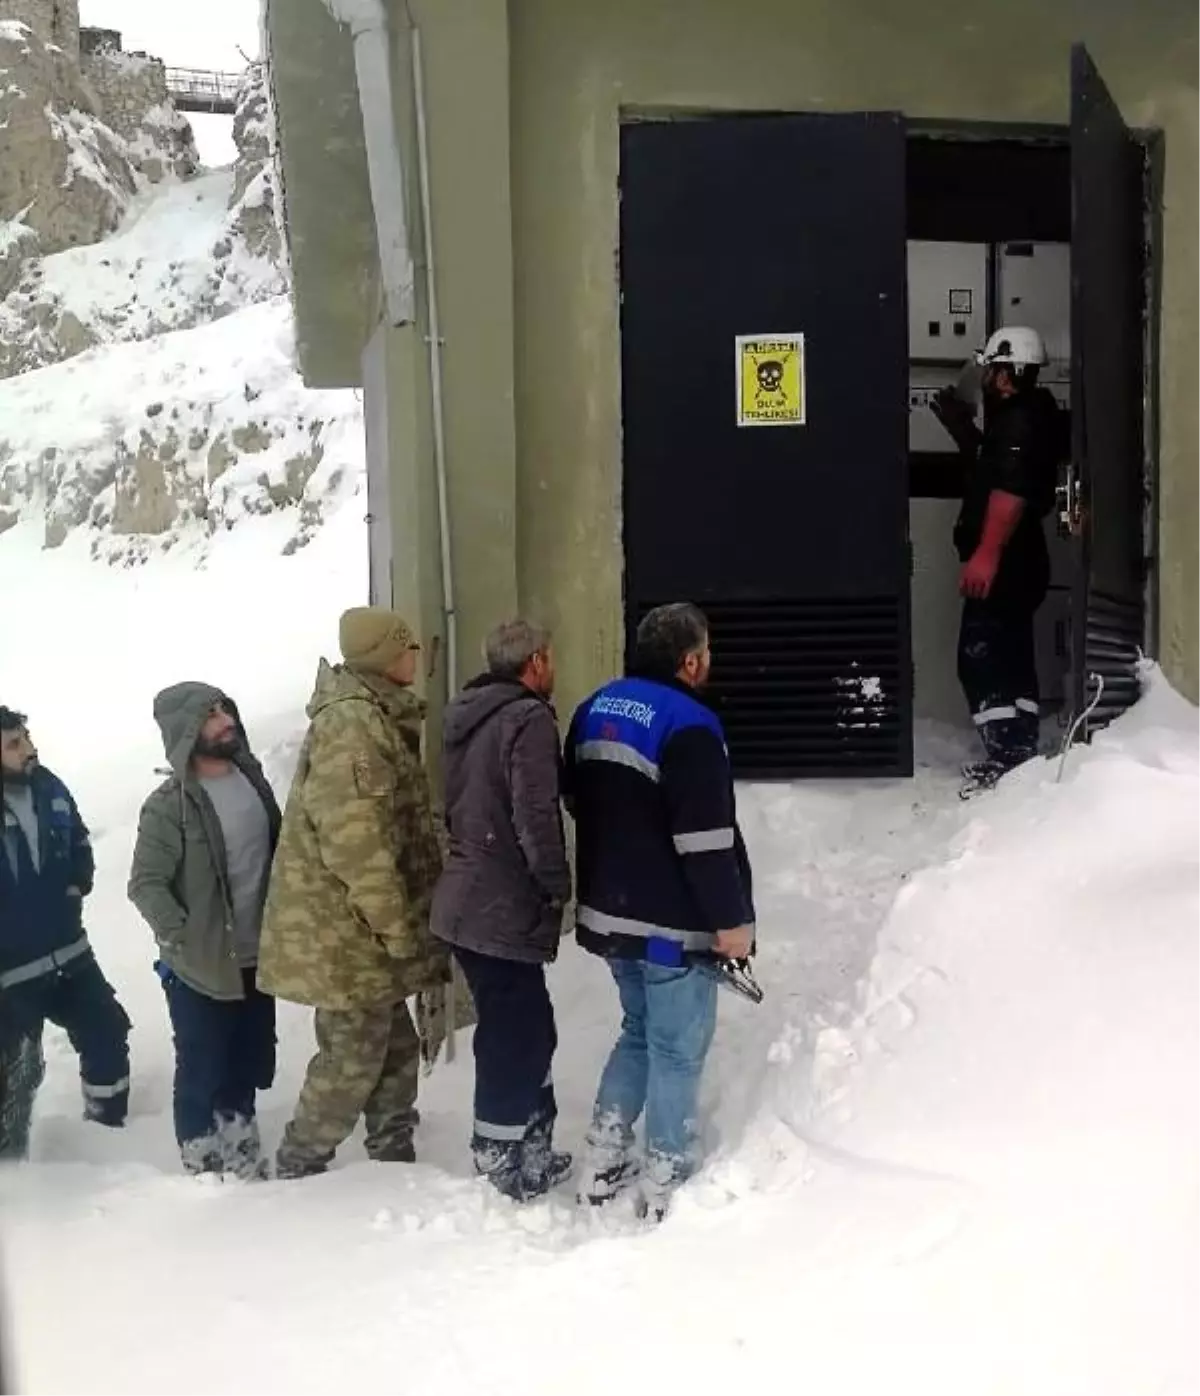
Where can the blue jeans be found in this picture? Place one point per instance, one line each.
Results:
(670, 1015)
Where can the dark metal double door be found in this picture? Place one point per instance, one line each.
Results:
(794, 536)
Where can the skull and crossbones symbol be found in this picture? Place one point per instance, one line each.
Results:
(769, 375)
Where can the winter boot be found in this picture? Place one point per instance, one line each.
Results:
(402, 1151)
(500, 1161)
(608, 1166)
(241, 1148)
(291, 1163)
(106, 1110)
(542, 1166)
(203, 1155)
(601, 1184)
(651, 1210)
(662, 1175)
(981, 776)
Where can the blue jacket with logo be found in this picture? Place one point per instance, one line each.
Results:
(661, 862)
(38, 914)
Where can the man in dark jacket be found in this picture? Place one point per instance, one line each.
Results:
(199, 878)
(664, 890)
(47, 968)
(500, 900)
(1011, 472)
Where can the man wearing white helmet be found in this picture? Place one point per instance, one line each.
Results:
(1011, 472)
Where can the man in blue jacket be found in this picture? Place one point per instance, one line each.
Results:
(47, 968)
(664, 890)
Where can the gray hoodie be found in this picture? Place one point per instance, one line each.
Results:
(506, 878)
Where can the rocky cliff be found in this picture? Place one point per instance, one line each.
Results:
(151, 397)
(82, 134)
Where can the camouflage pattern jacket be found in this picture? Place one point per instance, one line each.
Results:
(347, 916)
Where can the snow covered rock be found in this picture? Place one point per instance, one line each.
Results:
(252, 205)
(151, 393)
(181, 434)
(65, 175)
(132, 96)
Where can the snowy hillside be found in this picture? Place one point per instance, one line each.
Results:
(175, 261)
(154, 401)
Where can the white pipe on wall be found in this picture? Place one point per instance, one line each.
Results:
(449, 605)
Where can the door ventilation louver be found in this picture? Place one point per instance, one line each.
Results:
(809, 688)
(1114, 640)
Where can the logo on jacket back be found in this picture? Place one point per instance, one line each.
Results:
(608, 705)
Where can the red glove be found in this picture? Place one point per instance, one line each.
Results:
(978, 575)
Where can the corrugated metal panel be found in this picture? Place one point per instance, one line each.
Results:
(1114, 647)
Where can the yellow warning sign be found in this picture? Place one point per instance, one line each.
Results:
(770, 380)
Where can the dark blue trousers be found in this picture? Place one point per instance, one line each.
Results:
(79, 999)
(224, 1053)
(998, 672)
(515, 1038)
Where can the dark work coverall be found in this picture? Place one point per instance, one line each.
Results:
(1018, 453)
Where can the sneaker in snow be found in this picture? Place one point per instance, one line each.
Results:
(601, 1185)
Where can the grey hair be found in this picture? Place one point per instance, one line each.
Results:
(510, 647)
(665, 638)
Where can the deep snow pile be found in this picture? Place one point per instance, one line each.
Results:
(954, 1151)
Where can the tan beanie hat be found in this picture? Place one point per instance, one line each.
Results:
(373, 638)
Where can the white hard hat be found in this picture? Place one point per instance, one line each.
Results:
(1013, 344)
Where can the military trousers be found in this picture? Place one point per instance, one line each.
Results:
(367, 1064)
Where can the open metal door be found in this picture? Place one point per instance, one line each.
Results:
(1104, 497)
(764, 359)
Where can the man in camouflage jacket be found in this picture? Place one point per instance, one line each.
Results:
(346, 928)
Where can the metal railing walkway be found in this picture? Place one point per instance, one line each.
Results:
(197, 90)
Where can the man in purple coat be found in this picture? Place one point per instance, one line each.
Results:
(500, 901)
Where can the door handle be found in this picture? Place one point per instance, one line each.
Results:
(1070, 510)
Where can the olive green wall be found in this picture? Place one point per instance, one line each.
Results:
(575, 66)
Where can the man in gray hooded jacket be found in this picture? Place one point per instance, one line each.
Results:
(205, 841)
(500, 900)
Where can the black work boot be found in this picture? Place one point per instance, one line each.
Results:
(400, 1151)
(499, 1161)
(542, 1166)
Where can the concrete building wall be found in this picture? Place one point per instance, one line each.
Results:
(574, 69)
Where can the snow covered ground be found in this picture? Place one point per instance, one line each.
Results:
(955, 1151)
